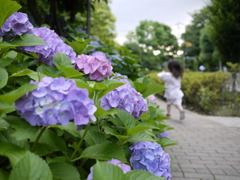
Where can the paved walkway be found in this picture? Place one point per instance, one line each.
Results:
(209, 146)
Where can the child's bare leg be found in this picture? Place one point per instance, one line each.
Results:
(179, 107)
(168, 109)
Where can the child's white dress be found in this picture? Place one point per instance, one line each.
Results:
(173, 92)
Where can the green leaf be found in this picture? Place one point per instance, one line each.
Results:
(80, 46)
(7, 8)
(142, 175)
(126, 118)
(23, 130)
(104, 151)
(94, 137)
(3, 175)
(82, 84)
(6, 108)
(4, 77)
(5, 62)
(3, 124)
(107, 171)
(70, 128)
(13, 152)
(50, 71)
(153, 88)
(143, 136)
(12, 96)
(137, 129)
(111, 85)
(24, 40)
(164, 142)
(31, 167)
(64, 171)
(36, 76)
(62, 59)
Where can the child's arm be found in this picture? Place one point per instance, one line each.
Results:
(165, 76)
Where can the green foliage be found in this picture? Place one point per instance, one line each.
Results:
(225, 34)
(67, 152)
(7, 8)
(151, 37)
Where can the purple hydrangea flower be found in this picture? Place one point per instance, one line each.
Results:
(96, 65)
(54, 44)
(126, 98)
(18, 23)
(151, 157)
(126, 168)
(152, 99)
(163, 134)
(56, 101)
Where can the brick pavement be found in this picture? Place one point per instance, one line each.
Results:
(208, 149)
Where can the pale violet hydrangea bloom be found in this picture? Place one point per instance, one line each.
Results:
(126, 168)
(126, 98)
(151, 157)
(152, 99)
(163, 134)
(54, 44)
(96, 66)
(18, 24)
(56, 101)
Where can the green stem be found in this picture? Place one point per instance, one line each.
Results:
(34, 147)
(80, 143)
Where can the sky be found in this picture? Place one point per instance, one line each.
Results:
(174, 13)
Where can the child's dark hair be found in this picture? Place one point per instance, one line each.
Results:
(175, 68)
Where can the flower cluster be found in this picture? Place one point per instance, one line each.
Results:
(17, 23)
(54, 44)
(126, 168)
(56, 101)
(96, 65)
(152, 99)
(151, 157)
(163, 134)
(126, 98)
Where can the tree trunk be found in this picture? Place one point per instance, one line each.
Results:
(34, 11)
(88, 16)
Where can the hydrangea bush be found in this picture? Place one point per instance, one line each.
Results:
(151, 157)
(54, 119)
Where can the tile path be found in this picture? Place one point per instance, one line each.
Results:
(209, 146)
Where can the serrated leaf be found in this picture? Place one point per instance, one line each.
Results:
(31, 167)
(126, 118)
(107, 171)
(23, 130)
(5, 62)
(153, 88)
(24, 40)
(94, 137)
(4, 77)
(7, 8)
(111, 85)
(143, 136)
(61, 59)
(50, 71)
(164, 141)
(12, 96)
(70, 128)
(104, 151)
(3, 124)
(80, 46)
(64, 171)
(142, 175)
(137, 129)
(13, 152)
(36, 76)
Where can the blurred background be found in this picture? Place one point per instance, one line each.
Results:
(140, 37)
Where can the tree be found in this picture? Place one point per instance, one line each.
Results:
(225, 35)
(155, 43)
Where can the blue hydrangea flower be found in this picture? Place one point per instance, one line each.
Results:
(126, 98)
(163, 134)
(18, 24)
(56, 101)
(126, 168)
(151, 157)
(54, 44)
